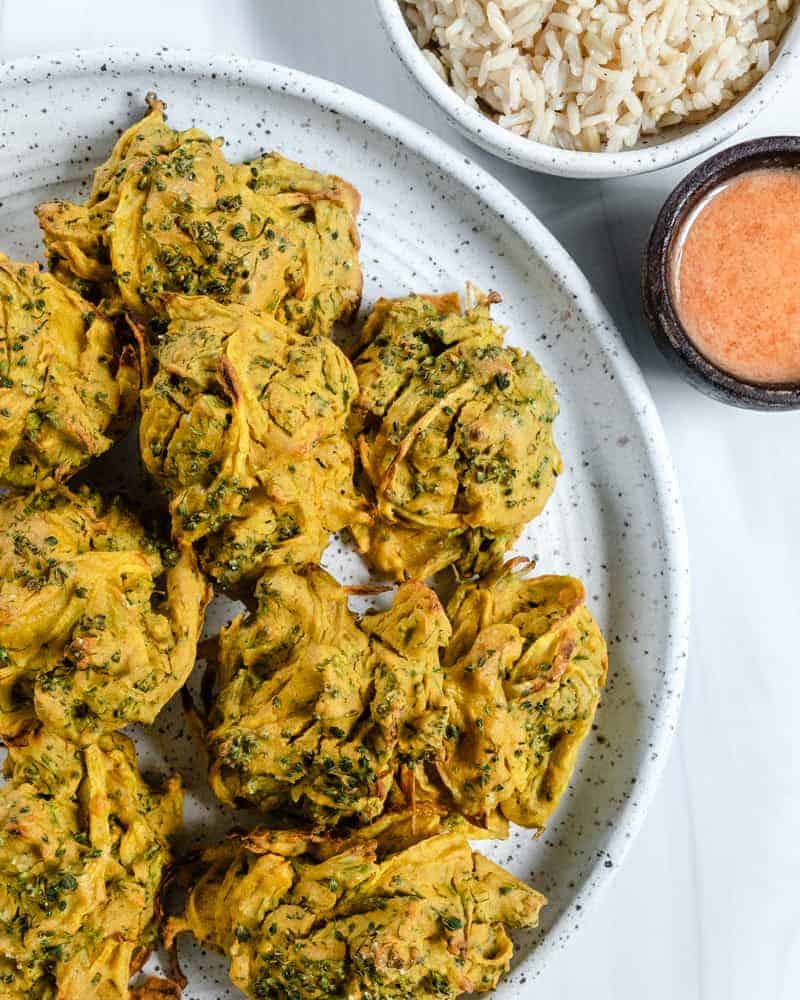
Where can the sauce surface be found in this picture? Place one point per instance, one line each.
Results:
(736, 276)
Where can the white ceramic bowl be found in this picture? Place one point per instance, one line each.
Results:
(679, 144)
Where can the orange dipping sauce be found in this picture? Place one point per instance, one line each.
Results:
(736, 276)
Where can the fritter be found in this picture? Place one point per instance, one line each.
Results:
(523, 674)
(95, 631)
(428, 922)
(454, 433)
(83, 848)
(244, 428)
(319, 713)
(67, 391)
(168, 213)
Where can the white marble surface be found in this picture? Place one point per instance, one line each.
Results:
(708, 903)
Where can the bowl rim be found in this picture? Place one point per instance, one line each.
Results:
(767, 153)
(546, 159)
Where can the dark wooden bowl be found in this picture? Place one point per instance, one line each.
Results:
(659, 307)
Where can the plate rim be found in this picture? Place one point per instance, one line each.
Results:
(565, 271)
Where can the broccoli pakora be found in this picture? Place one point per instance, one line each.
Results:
(244, 427)
(427, 922)
(454, 434)
(168, 213)
(83, 847)
(67, 390)
(523, 674)
(88, 641)
(319, 712)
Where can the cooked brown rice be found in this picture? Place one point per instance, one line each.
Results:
(598, 74)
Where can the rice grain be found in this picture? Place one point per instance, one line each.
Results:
(598, 74)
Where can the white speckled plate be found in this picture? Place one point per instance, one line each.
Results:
(431, 220)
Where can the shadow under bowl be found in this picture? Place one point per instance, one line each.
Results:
(774, 152)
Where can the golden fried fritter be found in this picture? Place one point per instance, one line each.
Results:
(318, 712)
(244, 427)
(168, 213)
(83, 847)
(454, 434)
(88, 643)
(66, 390)
(428, 922)
(523, 675)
